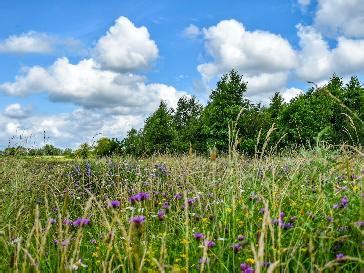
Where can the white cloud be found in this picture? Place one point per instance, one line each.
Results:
(30, 42)
(125, 47)
(66, 129)
(232, 46)
(192, 31)
(304, 3)
(87, 85)
(339, 17)
(16, 111)
(290, 93)
(318, 61)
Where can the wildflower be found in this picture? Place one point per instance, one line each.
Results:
(93, 241)
(360, 224)
(344, 202)
(139, 197)
(166, 205)
(236, 247)
(250, 261)
(137, 220)
(52, 221)
(67, 222)
(114, 204)
(79, 222)
(335, 206)
(198, 236)
(281, 215)
(245, 268)
(241, 238)
(340, 256)
(330, 219)
(161, 214)
(65, 242)
(262, 210)
(178, 196)
(210, 244)
(190, 201)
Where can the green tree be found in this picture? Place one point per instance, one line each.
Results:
(223, 108)
(159, 132)
(133, 143)
(188, 126)
(107, 147)
(84, 151)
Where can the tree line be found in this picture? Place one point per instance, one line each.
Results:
(333, 113)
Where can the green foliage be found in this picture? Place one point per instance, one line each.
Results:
(84, 151)
(226, 101)
(107, 147)
(159, 132)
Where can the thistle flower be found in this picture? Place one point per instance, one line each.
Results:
(161, 214)
(141, 196)
(241, 238)
(114, 204)
(245, 268)
(198, 236)
(80, 222)
(340, 256)
(137, 220)
(236, 247)
(210, 244)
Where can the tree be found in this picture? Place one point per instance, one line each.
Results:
(107, 147)
(133, 143)
(84, 151)
(187, 124)
(159, 132)
(223, 108)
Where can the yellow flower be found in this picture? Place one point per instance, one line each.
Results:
(205, 220)
(95, 254)
(250, 261)
(241, 223)
(356, 188)
(184, 241)
(229, 210)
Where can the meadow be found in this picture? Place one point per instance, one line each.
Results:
(296, 212)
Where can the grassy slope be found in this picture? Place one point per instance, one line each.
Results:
(228, 194)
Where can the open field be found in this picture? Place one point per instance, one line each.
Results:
(300, 212)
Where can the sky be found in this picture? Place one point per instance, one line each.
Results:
(74, 71)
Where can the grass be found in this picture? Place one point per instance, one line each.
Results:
(221, 199)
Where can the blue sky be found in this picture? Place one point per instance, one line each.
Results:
(64, 70)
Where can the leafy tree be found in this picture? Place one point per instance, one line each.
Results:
(223, 108)
(107, 147)
(84, 151)
(49, 149)
(133, 143)
(187, 124)
(159, 132)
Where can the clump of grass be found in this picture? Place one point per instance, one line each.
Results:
(294, 213)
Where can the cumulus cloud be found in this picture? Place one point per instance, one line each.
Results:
(338, 17)
(318, 61)
(66, 129)
(87, 85)
(17, 111)
(290, 93)
(30, 42)
(125, 47)
(192, 31)
(252, 52)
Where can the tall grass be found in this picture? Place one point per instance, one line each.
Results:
(274, 214)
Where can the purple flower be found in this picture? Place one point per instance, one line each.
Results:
(330, 219)
(281, 215)
(55, 241)
(80, 222)
(287, 225)
(52, 221)
(340, 256)
(262, 210)
(190, 201)
(114, 204)
(65, 242)
(241, 238)
(166, 205)
(210, 244)
(344, 202)
(139, 197)
(245, 268)
(335, 206)
(236, 247)
(360, 224)
(198, 236)
(161, 214)
(137, 220)
(178, 196)
(93, 241)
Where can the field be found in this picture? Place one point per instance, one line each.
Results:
(298, 212)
